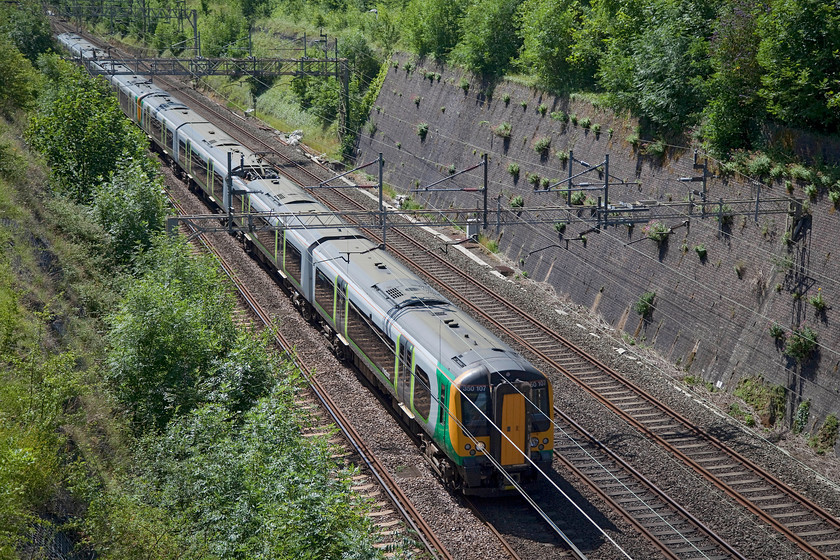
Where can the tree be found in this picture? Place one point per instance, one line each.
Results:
(432, 27)
(81, 130)
(547, 28)
(224, 33)
(491, 38)
(658, 63)
(131, 209)
(171, 328)
(20, 81)
(27, 27)
(798, 54)
(734, 109)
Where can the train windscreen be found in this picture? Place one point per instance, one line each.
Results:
(475, 409)
(541, 415)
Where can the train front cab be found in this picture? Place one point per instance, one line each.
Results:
(508, 420)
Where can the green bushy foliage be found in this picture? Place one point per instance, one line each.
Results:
(644, 306)
(81, 130)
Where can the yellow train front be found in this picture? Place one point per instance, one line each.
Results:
(500, 430)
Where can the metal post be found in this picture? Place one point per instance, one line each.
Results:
(484, 160)
(606, 190)
(757, 196)
(569, 188)
(720, 215)
(499, 214)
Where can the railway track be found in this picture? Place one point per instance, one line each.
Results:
(392, 512)
(805, 524)
(671, 528)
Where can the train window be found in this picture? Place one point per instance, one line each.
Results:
(218, 187)
(324, 292)
(156, 128)
(292, 261)
(376, 346)
(422, 397)
(541, 416)
(406, 351)
(475, 410)
(198, 166)
(182, 150)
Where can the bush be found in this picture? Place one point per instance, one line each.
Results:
(542, 109)
(503, 130)
(701, 251)
(563, 156)
(777, 331)
(657, 231)
(422, 130)
(585, 122)
(800, 420)
(560, 116)
(826, 437)
(517, 202)
(801, 344)
(542, 145)
(513, 169)
(644, 306)
(464, 85)
(560, 227)
(578, 197)
(818, 302)
(760, 166)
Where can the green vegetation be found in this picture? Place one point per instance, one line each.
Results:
(422, 130)
(578, 197)
(657, 231)
(644, 306)
(701, 251)
(503, 130)
(560, 227)
(129, 399)
(767, 401)
(818, 301)
(801, 343)
(513, 169)
(722, 68)
(800, 421)
(542, 145)
(777, 331)
(491, 245)
(517, 202)
(826, 437)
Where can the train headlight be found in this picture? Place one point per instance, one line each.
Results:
(545, 441)
(480, 446)
(535, 442)
(468, 447)
(541, 447)
(472, 452)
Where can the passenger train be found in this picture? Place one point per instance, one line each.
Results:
(478, 407)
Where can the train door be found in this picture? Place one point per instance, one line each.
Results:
(340, 305)
(404, 370)
(511, 415)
